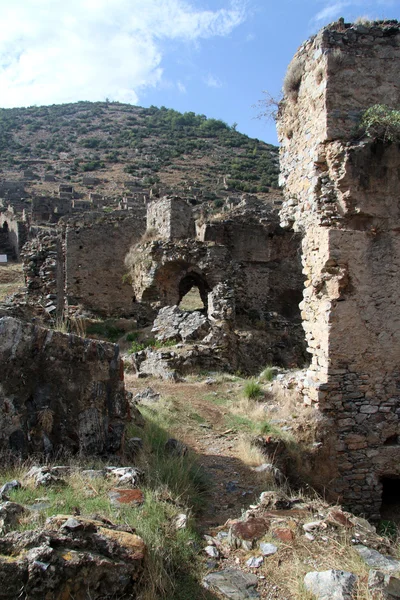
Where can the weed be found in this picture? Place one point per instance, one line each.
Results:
(127, 279)
(249, 453)
(132, 336)
(105, 330)
(252, 389)
(76, 326)
(387, 528)
(268, 374)
(215, 399)
(150, 343)
(293, 77)
(197, 417)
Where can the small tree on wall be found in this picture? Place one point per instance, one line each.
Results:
(381, 122)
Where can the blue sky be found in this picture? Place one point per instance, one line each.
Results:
(213, 57)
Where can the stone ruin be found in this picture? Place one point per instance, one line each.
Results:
(59, 392)
(340, 217)
(342, 194)
(133, 263)
(235, 262)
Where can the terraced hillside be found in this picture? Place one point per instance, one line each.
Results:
(118, 142)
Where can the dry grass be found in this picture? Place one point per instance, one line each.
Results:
(11, 279)
(250, 454)
(293, 77)
(288, 567)
(192, 300)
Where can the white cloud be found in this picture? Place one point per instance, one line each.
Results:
(212, 81)
(330, 12)
(67, 50)
(181, 87)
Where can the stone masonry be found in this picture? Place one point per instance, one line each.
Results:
(342, 194)
(59, 392)
(171, 218)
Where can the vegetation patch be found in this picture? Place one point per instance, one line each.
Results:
(105, 330)
(381, 122)
(173, 485)
(252, 389)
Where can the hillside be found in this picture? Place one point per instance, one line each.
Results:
(118, 143)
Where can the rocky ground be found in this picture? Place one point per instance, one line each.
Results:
(203, 503)
(262, 538)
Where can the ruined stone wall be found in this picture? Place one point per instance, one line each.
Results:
(341, 192)
(59, 392)
(17, 232)
(95, 273)
(171, 217)
(49, 209)
(268, 264)
(43, 264)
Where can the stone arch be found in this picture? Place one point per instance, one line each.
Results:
(172, 281)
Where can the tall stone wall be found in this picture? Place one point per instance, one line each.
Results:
(95, 273)
(342, 194)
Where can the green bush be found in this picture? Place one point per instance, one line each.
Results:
(105, 330)
(252, 389)
(268, 374)
(381, 122)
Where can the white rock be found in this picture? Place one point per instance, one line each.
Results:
(255, 562)
(268, 549)
(211, 551)
(314, 525)
(331, 585)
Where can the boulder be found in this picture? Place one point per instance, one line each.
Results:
(246, 533)
(71, 557)
(383, 585)
(331, 585)
(172, 323)
(233, 584)
(59, 392)
(378, 561)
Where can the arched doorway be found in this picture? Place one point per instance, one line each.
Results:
(193, 290)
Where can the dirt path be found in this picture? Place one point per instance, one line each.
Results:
(202, 423)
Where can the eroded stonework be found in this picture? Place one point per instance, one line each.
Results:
(59, 392)
(342, 194)
(251, 257)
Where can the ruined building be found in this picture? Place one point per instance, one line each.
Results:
(342, 194)
(134, 263)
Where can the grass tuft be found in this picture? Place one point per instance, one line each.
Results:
(268, 374)
(252, 390)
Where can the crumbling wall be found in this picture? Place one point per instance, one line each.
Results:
(171, 218)
(43, 264)
(49, 209)
(16, 230)
(95, 273)
(59, 392)
(341, 193)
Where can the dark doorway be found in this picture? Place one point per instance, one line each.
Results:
(390, 508)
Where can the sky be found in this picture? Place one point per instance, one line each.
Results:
(213, 57)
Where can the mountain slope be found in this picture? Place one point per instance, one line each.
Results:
(120, 142)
